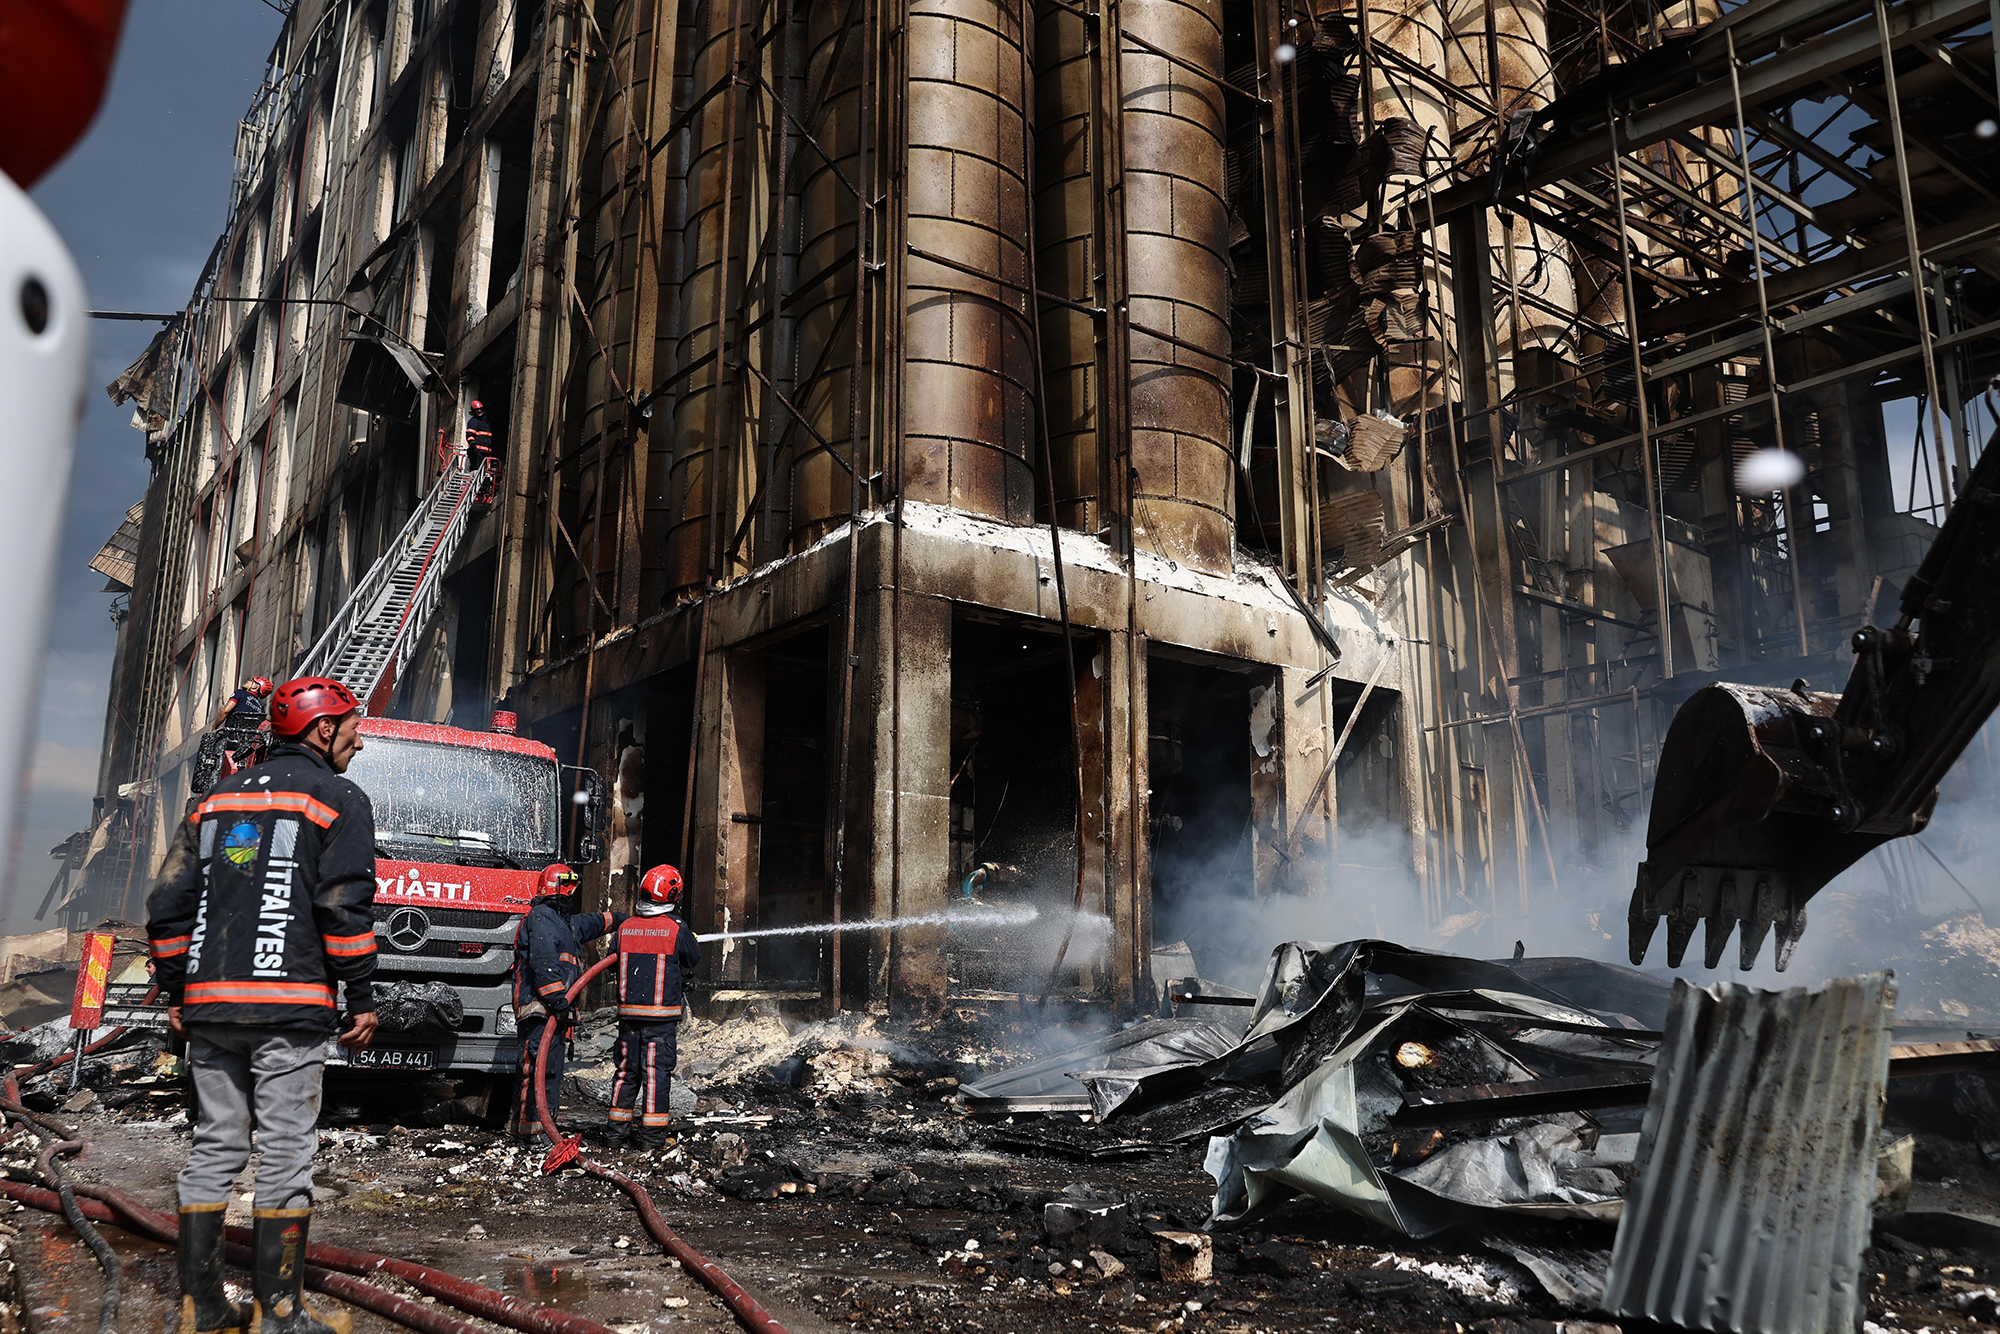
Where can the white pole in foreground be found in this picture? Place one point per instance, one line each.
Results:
(44, 363)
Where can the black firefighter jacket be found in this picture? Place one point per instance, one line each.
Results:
(546, 954)
(263, 903)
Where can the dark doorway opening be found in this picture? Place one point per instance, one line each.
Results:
(792, 888)
(1199, 756)
(1013, 803)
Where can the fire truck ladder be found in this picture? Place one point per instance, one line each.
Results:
(372, 638)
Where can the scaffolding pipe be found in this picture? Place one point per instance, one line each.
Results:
(1900, 151)
(1654, 529)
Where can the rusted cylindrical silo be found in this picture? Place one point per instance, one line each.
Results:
(1177, 277)
(712, 461)
(824, 297)
(1525, 258)
(968, 388)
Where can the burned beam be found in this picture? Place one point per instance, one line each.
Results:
(1790, 69)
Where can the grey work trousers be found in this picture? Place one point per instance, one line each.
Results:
(266, 1077)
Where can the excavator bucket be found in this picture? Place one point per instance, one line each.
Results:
(1764, 795)
(1749, 821)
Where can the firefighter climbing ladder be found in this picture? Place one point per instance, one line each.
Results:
(372, 637)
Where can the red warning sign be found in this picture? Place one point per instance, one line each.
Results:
(93, 974)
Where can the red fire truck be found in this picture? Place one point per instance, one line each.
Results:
(464, 823)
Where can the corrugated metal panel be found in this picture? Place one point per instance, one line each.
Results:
(118, 560)
(1756, 1169)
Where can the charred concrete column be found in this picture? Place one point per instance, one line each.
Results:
(729, 783)
(968, 380)
(1128, 846)
(899, 792)
(1177, 263)
(1300, 741)
(1267, 789)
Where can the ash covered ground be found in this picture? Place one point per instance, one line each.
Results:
(831, 1169)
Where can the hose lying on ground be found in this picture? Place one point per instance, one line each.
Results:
(58, 1138)
(417, 1315)
(467, 1296)
(328, 1267)
(742, 1305)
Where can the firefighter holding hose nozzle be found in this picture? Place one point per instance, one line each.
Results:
(547, 961)
(655, 949)
(261, 908)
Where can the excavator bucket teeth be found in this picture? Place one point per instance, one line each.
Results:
(1755, 928)
(1643, 927)
(1716, 939)
(1741, 797)
(1680, 930)
(1789, 930)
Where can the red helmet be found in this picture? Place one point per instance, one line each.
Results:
(557, 879)
(662, 885)
(260, 685)
(477, 406)
(300, 703)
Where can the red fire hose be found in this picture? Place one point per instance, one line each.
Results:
(428, 1319)
(742, 1305)
(469, 1297)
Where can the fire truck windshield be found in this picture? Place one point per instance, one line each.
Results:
(459, 803)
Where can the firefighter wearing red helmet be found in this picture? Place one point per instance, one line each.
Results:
(242, 716)
(656, 949)
(260, 926)
(245, 703)
(548, 958)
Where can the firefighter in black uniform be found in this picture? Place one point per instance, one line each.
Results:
(479, 452)
(261, 909)
(548, 948)
(655, 950)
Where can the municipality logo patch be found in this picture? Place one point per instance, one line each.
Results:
(240, 843)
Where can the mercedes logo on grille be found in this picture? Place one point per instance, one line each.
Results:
(409, 928)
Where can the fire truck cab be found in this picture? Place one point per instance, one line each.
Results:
(464, 823)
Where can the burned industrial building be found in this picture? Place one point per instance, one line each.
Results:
(1189, 459)
(1160, 568)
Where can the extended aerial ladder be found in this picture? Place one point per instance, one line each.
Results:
(372, 637)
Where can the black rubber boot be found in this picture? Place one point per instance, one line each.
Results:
(615, 1134)
(647, 1138)
(205, 1308)
(278, 1276)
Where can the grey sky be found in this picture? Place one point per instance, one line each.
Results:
(140, 202)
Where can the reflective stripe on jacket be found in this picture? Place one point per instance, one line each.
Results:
(262, 906)
(548, 949)
(654, 953)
